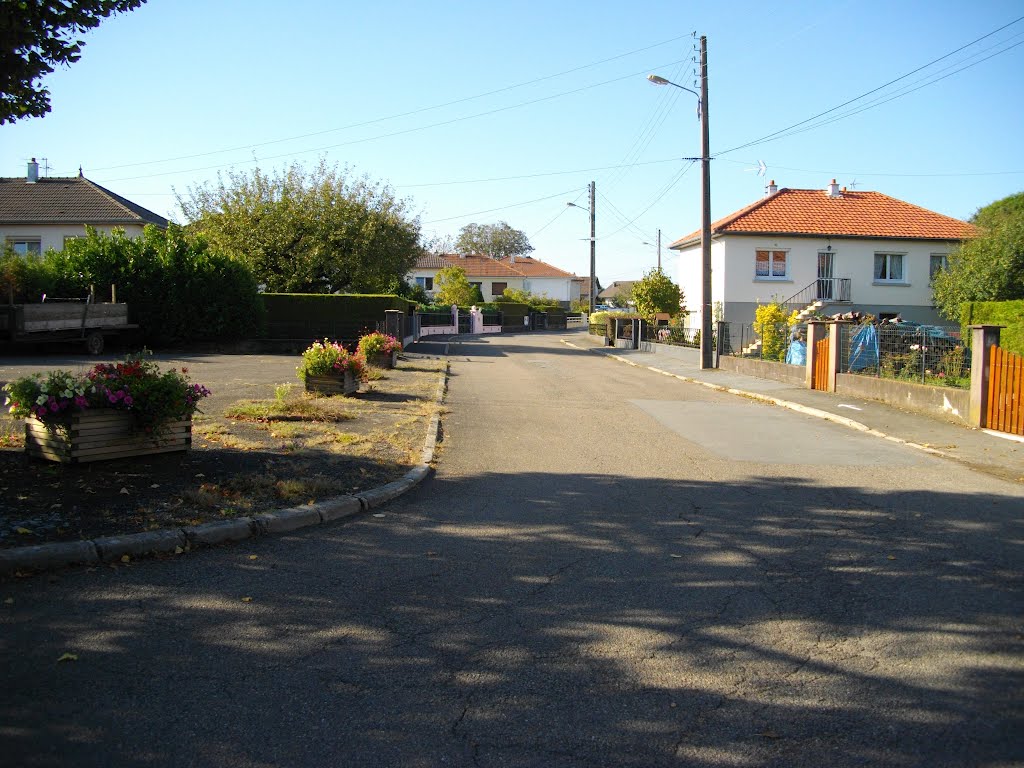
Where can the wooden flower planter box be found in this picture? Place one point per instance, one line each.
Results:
(383, 360)
(102, 434)
(333, 385)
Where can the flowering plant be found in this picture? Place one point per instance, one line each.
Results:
(378, 343)
(329, 358)
(137, 385)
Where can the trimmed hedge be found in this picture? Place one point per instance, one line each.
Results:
(341, 317)
(1008, 313)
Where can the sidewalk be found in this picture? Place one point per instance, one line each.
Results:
(978, 449)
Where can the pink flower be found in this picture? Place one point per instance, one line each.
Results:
(128, 400)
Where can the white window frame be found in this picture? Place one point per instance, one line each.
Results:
(25, 243)
(772, 276)
(901, 280)
(426, 283)
(944, 264)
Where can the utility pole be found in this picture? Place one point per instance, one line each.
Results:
(706, 348)
(659, 250)
(593, 247)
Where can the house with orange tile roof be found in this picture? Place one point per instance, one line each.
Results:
(493, 276)
(826, 251)
(37, 214)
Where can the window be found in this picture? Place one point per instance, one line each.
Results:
(26, 245)
(426, 283)
(889, 268)
(936, 263)
(769, 264)
(498, 288)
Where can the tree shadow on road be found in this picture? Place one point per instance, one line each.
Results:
(547, 619)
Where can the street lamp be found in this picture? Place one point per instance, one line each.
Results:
(706, 351)
(593, 245)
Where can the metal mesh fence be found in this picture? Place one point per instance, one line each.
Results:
(776, 342)
(926, 354)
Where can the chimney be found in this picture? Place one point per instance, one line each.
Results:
(771, 189)
(33, 171)
(833, 189)
(512, 259)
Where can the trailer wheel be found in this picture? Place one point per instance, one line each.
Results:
(94, 343)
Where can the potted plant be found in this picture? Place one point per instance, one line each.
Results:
(380, 349)
(114, 411)
(328, 368)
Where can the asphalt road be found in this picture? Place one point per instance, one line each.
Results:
(609, 568)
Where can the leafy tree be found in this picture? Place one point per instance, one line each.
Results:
(176, 286)
(657, 293)
(499, 241)
(35, 37)
(989, 267)
(308, 232)
(516, 295)
(453, 287)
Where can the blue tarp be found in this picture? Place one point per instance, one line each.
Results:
(864, 348)
(797, 352)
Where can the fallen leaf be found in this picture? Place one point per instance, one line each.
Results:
(56, 506)
(23, 530)
(378, 514)
(9, 601)
(68, 657)
(124, 491)
(126, 558)
(155, 485)
(892, 557)
(253, 557)
(769, 734)
(246, 599)
(200, 474)
(178, 550)
(675, 556)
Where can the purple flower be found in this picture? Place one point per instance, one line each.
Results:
(128, 400)
(54, 407)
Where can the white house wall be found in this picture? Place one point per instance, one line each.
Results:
(558, 288)
(53, 235)
(734, 284)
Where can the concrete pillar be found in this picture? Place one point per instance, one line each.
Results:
(982, 337)
(393, 323)
(816, 331)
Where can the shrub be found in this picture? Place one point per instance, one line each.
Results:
(329, 358)
(378, 343)
(137, 385)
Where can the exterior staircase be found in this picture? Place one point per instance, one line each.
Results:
(809, 301)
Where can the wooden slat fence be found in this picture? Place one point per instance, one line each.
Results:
(820, 379)
(1005, 411)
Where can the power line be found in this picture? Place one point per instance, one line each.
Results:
(776, 134)
(881, 175)
(396, 116)
(503, 208)
(529, 175)
(403, 132)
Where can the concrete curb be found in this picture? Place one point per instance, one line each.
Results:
(788, 404)
(177, 540)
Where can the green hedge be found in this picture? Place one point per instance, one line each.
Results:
(343, 317)
(1007, 313)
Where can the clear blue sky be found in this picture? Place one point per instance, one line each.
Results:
(480, 112)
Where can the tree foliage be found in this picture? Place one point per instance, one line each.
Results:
(35, 37)
(453, 287)
(499, 241)
(989, 267)
(308, 232)
(177, 288)
(657, 293)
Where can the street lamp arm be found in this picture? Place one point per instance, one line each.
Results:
(659, 80)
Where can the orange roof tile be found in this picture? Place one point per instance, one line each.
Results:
(532, 267)
(852, 214)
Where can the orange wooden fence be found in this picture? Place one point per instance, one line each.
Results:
(1005, 410)
(820, 379)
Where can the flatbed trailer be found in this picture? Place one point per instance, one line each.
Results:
(68, 321)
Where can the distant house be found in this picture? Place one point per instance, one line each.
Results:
(495, 275)
(831, 250)
(615, 291)
(37, 214)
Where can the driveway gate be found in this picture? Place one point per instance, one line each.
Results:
(1005, 411)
